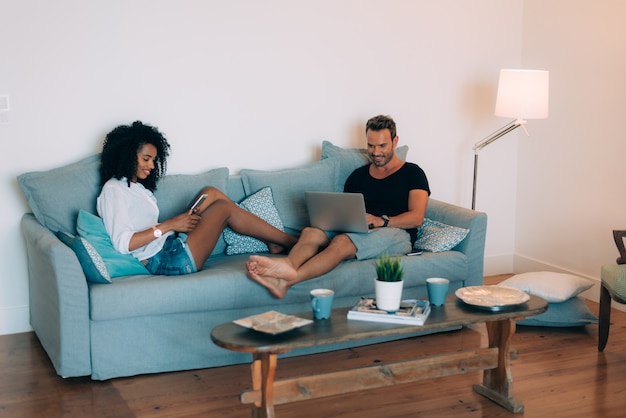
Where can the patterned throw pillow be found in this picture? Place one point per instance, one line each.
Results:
(261, 204)
(436, 237)
(91, 262)
(288, 187)
(91, 230)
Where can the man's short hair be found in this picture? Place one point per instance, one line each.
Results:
(380, 122)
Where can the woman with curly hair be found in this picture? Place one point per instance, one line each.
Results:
(134, 159)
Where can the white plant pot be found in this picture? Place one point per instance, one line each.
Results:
(388, 295)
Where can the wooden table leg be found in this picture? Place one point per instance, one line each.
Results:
(263, 370)
(498, 383)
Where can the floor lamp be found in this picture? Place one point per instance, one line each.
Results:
(522, 94)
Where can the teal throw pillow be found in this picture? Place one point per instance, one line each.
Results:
(352, 158)
(91, 228)
(288, 187)
(262, 205)
(436, 237)
(89, 259)
(571, 313)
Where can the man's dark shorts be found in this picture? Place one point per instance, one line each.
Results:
(379, 241)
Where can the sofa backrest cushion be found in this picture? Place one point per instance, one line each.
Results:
(288, 187)
(56, 196)
(352, 158)
(175, 192)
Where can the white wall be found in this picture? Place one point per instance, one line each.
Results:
(258, 84)
(571, 171)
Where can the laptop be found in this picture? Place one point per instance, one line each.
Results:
(337, 211)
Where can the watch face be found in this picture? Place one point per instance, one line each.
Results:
(157, 233)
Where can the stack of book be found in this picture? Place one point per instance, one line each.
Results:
(411, 312)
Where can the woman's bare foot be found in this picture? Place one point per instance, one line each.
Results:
(276, 249)
(276, 274)
(281, 248)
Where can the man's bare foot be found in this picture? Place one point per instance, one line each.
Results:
(276, 274)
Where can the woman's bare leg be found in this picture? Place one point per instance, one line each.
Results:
(218, 212)
(304, 262)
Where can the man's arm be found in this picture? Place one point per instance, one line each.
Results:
(413, 218)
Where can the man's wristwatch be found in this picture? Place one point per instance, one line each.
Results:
(386, 220)
(156, 232)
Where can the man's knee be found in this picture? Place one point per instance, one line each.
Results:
(343, 244)
(314, 236)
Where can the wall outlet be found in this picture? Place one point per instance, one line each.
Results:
(4, 102)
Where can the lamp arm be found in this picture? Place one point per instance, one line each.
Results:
(491, 138)
(500, 133)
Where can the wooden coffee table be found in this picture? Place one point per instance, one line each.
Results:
(494, 359)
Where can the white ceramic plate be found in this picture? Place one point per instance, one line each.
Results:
(494, 298)
(272, 322)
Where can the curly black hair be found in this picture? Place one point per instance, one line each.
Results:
(380, 122)
(119, 153)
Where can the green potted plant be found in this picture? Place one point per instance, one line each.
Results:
(388, 284)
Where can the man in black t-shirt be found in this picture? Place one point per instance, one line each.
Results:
(396, 195)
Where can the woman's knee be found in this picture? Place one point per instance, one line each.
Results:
(213, 194)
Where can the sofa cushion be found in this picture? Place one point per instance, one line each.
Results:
(571, 313)
(89, 259)
(436, 236)
(553, 287)
(261, 204)
(91, 228)
(175, 192)
(288, 187)
(56, 196)
(352, 158)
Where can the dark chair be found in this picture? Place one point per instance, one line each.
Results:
(613, 286)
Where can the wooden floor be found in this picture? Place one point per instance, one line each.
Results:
(558, 373)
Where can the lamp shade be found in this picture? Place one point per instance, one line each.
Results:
(523, 94)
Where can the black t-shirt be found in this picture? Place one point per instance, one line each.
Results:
(388, 196)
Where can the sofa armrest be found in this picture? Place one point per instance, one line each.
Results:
(473, 246)
(58, 299)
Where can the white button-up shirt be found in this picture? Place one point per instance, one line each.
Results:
(126, 210)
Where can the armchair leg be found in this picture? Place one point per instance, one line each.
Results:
(605, 318)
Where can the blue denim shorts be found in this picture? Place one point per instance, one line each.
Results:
(174, 259)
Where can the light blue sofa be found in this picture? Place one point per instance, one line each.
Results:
(147, 324)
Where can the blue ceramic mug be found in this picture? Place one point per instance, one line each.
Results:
(322, 303)
(437, 290)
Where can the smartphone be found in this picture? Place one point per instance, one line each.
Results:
(198, 202)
